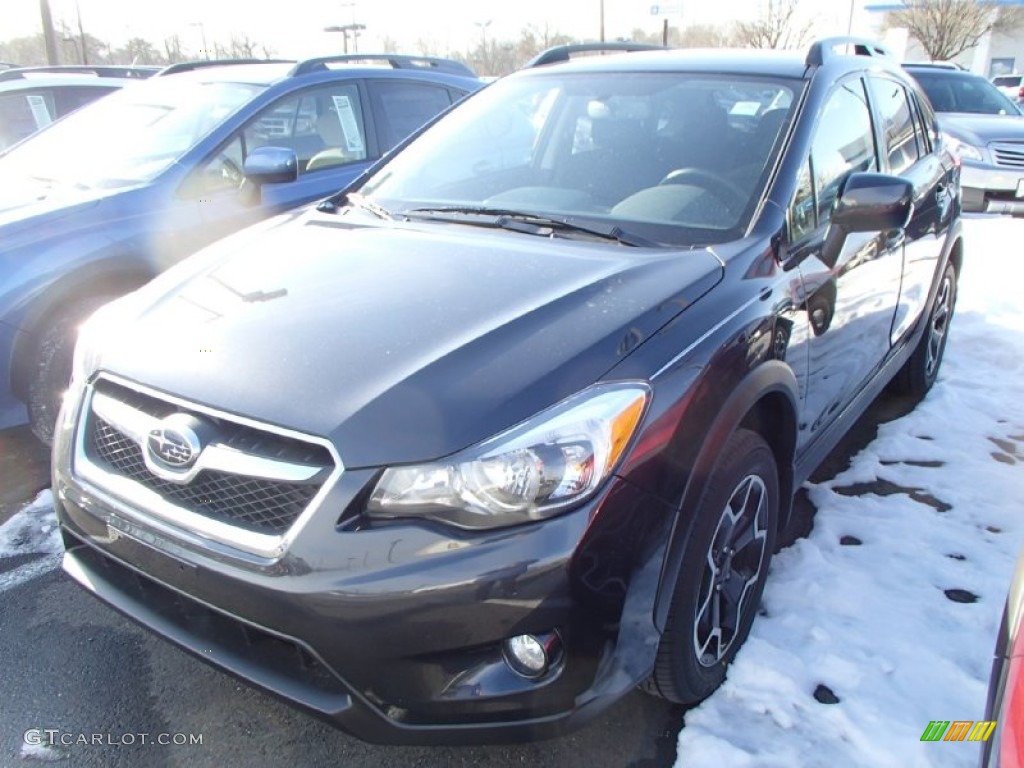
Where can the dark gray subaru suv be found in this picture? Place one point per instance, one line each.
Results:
(513, 424)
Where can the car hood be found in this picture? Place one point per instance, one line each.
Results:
(979, 130)
(400, 343)
(23, 199)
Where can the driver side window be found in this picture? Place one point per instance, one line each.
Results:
(324, 126)
(843, 144)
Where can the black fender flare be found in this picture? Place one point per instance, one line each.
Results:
(765, 384)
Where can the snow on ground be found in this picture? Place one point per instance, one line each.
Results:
(32, 531)
(877, 622)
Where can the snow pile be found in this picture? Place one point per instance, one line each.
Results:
(32, 531)
(893, 602)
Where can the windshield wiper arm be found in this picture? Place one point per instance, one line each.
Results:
(530, 223)
(356, 200)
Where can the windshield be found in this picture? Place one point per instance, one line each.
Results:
(675, 158)
(129, 136)
(959, 93)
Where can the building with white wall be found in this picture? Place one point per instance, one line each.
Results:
(995, 54)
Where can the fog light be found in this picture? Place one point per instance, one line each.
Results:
(532, 656)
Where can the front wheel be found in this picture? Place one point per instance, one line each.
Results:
(722, 576)
(51, 364)
(918, 374)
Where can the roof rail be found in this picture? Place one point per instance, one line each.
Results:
(395, 60)
(951, 65)
(823, 49)
(563, 52)
(188, 66)
(100, 70)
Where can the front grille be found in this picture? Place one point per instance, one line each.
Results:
(256, 504)
(1009, 154)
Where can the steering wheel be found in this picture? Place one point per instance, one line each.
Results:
(713, 182)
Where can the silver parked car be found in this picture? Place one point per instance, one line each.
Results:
(986, 131)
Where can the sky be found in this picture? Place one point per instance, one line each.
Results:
(295, 28)
(859, 606)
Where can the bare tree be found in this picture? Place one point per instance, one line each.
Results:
(780, 26)
(428, 46)
(174, 51)
(703, 36)
(947, 28)
(241, 46)
(138, 50)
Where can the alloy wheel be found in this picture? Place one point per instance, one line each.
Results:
(731, 571)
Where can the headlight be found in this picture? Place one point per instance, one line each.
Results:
(554, 460)
(963, 150)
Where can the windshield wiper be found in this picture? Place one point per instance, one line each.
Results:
(527, 223)
(356, 200)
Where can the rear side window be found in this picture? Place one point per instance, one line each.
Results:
(22, 114)
(402, 107)
(897, 122)
(843, 144)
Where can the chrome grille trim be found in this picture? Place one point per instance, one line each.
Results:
(216, 456)
(147, 507)
(1008, 154)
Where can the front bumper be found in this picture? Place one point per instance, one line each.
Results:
(989, 188)
(392, 632)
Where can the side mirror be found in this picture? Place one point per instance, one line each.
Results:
(867, 202)
(271, 165)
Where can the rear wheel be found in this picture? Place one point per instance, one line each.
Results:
(918, 374)
(51, 364)
(724, 567)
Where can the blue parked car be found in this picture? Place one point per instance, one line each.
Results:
(98, 203)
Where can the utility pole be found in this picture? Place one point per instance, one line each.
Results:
(81, 34)
(49, 36)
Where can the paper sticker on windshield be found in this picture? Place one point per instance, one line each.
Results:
(347, 118)
(40, 110)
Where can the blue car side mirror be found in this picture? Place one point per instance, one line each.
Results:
(271, 165)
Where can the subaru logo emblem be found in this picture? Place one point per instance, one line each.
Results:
(174, 443)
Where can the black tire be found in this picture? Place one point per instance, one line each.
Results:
(51, 364)
(918, 374)
(740, 505)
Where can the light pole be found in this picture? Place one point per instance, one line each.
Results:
(49, 35)
(355, 29)
(602, 20)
